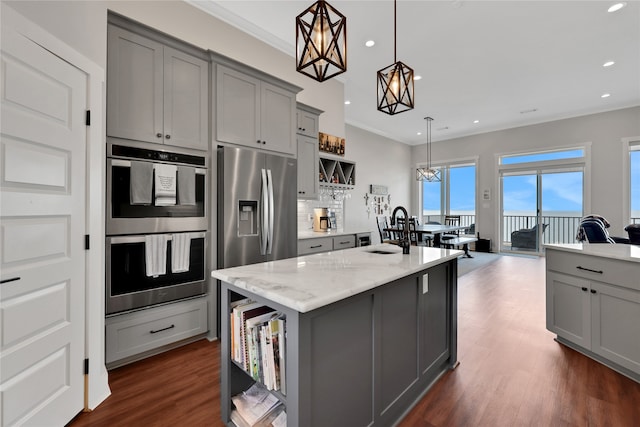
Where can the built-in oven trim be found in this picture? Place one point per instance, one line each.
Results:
(142, 299)
(149, 225)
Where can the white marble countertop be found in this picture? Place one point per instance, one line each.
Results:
(308, 282)
(617, 251)
(310, 234)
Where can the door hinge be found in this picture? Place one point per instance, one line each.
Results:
(86, 242)
(86, 366)
(88, 118)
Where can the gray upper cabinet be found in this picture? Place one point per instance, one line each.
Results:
(307, 136)
(155, 93)
(253, 112)
(307, 123)
(307, 167)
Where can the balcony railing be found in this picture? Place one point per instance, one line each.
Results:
(560, 229)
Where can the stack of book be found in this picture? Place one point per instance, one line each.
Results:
(258, 342)
(256, 407)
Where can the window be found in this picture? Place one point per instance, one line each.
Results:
(634, 182)
(455, 195)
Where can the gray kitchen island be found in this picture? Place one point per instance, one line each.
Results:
(368, 331)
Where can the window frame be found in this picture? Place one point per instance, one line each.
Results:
(629, 144)
(445, 199)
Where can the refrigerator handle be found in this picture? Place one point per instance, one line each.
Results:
(264, 214)
(271, 213)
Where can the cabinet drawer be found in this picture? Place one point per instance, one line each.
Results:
(312, 246)
(133, 333)
(344, 242)
(613, 271)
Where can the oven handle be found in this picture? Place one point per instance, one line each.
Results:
(140, 237)
(127, 164)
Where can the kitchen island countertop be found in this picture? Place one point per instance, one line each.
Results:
(309, 282)
(617, 251)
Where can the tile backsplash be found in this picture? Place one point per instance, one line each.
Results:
(305, 212)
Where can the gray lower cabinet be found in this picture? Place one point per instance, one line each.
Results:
(314, 246)
(324, 244)
(362, 361)
(253, 112)
(600, 319)
(132, 336)
(155, 93)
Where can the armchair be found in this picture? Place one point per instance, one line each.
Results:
(526, 238)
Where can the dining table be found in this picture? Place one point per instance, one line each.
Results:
(433, 229)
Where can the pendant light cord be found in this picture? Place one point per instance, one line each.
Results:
(395, 31)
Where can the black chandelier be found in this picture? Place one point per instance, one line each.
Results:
(395, 82)
(321, 42)
(427, 173)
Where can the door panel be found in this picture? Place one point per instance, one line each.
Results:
(42, 257)
(239, 175)
(285, 225)
(185, 100)
(134, 102)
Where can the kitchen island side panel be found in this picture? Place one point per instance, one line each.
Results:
(360, 361)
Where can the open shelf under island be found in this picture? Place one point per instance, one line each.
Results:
(368, 331)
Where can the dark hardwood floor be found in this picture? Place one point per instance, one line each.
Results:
(511, 372)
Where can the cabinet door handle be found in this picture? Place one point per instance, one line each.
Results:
(590, 270)
(168, 136)
(593, 291)
(159, 135)
(344, 243)
(584, 289)
(315, 247)
(163, 329)
(13, 279)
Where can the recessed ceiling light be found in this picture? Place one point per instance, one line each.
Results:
(608, 64)
(605, 95)
(419, 133)
(617, 6)
(347, 102)
(369, 43)
(416, 77)
(476, 121)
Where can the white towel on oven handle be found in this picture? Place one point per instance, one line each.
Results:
(155, 254)
(180, 252)
(165, 181)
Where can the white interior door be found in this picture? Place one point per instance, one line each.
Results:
(42, 212)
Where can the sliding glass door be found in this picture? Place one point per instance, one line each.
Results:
(540, 206)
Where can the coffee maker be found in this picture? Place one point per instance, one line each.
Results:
(322, 220)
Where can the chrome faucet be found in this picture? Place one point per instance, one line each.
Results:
(404, 242)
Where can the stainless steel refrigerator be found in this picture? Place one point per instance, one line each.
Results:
(257, 213)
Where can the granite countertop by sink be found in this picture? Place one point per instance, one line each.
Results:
(309, 282)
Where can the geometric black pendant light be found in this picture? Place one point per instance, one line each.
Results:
(321, 42)
(395, 82)
(427, 173)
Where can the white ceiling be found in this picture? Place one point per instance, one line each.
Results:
(503, 63)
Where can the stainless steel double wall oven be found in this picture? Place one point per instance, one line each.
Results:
(128, 225)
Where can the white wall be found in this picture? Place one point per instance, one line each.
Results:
(604, 132)
(379, 161)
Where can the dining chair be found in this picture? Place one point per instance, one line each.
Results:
(452, 220)
(385, 235)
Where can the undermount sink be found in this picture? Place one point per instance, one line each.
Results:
(381, 252)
